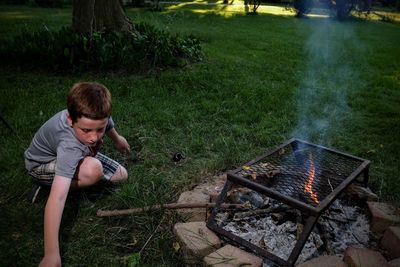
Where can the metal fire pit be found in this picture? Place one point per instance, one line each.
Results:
(302, 175)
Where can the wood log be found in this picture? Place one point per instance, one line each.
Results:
(363, 193)
(110, 213)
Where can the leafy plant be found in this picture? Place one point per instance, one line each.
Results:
(133, 260)
(147, 47)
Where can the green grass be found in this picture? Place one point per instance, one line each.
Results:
(264, 79)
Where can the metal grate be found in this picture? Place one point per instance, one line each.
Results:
(305, 176)
(298, 165)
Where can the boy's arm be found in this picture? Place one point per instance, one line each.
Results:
(119, 141)
(52, 220)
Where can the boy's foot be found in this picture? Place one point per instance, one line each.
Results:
(89, 195)
(36, 193)
(85, 200)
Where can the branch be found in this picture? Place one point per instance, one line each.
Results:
(109, 213)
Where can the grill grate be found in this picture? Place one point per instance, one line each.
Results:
(302, 175)
(287, 171)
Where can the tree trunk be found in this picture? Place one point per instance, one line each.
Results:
(90, 16)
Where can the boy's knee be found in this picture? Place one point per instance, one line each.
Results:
(90, 171)
(95, 168)
(120, 175)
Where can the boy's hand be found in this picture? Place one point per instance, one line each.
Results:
(122, 145)
(119, 141)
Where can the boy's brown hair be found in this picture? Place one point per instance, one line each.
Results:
(89, 99)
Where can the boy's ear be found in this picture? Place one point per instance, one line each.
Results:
(69, 120)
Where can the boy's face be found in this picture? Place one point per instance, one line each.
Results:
(88, 131)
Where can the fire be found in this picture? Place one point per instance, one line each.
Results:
(308, 185)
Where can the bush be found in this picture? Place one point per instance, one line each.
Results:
(135, 3)
(144, 49)
(14, 2)
(49, 3)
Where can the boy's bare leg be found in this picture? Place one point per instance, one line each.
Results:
(120, 175)
(89, 173)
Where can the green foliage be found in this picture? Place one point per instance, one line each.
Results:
(134, 260)
(14, 2)
(135, 3)
(147, 47)
(49, 3)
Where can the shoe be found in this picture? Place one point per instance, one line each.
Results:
(85, 200)
(37, 193)
(34, 193)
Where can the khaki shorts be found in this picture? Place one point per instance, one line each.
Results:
(45, 173)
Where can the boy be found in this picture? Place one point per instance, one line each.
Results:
(64, 152)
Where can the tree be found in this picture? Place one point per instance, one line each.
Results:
(302, 7)
(254, 3)
(90, 16)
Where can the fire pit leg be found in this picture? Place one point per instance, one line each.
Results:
(366, 176)
(308, 227)
(220, 199)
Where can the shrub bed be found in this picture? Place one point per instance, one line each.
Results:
(145, 48)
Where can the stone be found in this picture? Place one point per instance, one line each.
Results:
(195, 214)
(195, 241)
(383, 215)
(213, 186)
(363, 193)
(362, 257)
(326, 261)
(214, 197)
(391, 241)
(395, 262)
(230, 256)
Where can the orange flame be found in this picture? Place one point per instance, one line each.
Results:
(310, 180)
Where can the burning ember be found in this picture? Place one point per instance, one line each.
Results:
(308, 186)
(276, 228)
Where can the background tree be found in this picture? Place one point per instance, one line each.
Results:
(99, 15)
(302, 7)
(254, 6)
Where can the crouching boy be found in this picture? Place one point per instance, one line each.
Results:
(64, 153)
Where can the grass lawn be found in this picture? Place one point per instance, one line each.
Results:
(263, 80)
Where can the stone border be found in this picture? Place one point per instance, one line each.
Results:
(202, 247)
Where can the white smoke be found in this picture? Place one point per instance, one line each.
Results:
(322, 95)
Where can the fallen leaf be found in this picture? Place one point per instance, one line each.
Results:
(246, 168)
(177, 247)
(133, 243)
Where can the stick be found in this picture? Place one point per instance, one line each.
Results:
(240, 215)
(109, 213)
(323, 232)
(6, 123)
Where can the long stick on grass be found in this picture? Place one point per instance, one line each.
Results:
(110, 213)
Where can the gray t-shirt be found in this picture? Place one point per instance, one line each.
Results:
(56, 140)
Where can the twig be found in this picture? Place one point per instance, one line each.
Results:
(109, 213)
(339, 220)
(241, 215)
(325, 238)
(6, 123)
(151, 236)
